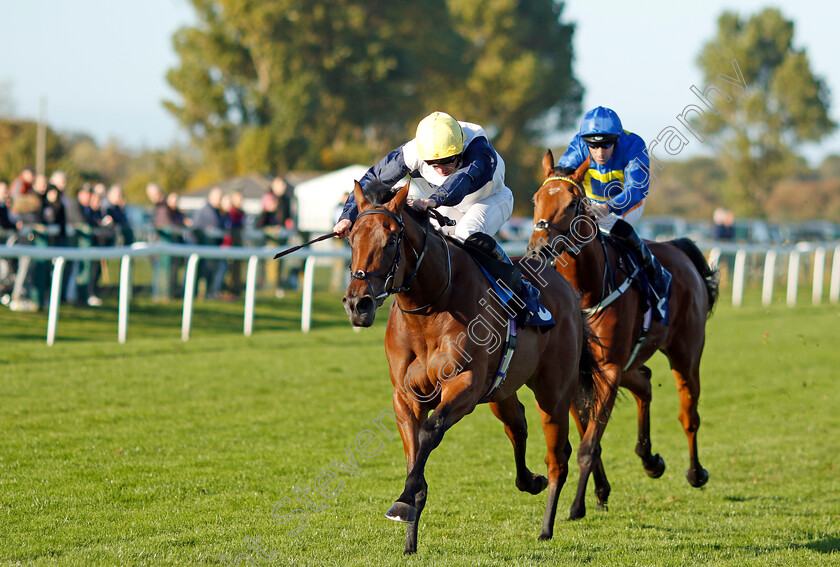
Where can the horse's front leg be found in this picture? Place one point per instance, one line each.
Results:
(589, 451)
(412, 416)
(458, 398)
(599, 474)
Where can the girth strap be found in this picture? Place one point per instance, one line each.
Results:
(617, 292)
(640, 340)
(501, 374)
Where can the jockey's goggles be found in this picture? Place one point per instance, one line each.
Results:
(443, 161)
(605, 145)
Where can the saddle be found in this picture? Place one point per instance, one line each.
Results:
(509, 285)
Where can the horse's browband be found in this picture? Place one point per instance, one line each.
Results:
(562, 178)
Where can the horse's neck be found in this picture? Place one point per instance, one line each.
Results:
(434, 273)
(585, 271)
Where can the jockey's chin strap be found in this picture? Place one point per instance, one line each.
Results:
(395, 265)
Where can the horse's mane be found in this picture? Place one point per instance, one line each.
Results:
(417, 216)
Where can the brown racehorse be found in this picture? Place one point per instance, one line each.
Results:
(560, 208)
(442, 348)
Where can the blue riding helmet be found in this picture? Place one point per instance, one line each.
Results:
(600, 124)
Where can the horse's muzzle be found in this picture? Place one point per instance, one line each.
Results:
(361, 310)
(540, 252)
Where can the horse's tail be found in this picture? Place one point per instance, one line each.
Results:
(592, 384)
(711, 277)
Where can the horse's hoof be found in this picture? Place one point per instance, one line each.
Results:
(538, 484)
(602, 506)
(545, 537)
(655, 467)
(697, 478)
(401, 512)
(577, 513)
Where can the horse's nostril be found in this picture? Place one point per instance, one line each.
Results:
(365, 304)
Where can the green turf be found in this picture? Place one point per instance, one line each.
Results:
(161, 452)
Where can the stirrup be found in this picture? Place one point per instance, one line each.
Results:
(659, 289)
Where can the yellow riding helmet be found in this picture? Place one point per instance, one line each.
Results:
(439, 136)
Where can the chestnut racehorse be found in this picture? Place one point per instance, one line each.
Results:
(442, 344)
(582, 255)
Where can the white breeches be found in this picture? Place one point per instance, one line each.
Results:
(487, 215)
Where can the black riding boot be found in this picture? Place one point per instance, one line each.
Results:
(529, 295)
(659, 277)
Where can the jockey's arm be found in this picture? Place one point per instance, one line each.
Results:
(635, 187)
(477, 169)
(384, 174)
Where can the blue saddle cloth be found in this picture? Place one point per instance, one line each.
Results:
(537, 315)
(629, 263)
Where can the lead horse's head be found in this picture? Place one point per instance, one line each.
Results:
(561, 219)
(375, 266)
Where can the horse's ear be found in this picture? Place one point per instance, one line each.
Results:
(399, 199)
(548, 163)
(580, 173)
(359, 195)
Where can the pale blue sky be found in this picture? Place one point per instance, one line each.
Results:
(102, 63)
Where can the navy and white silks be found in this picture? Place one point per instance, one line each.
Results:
(475, 195)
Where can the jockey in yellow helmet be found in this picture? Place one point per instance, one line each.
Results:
(453, 168)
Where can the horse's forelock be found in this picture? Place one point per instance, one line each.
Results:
(564, 171)
(378, 194)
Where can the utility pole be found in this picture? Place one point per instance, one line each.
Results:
(41, 150)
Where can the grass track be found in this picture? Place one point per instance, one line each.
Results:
(160, 452)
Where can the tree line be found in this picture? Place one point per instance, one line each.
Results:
(278, 85)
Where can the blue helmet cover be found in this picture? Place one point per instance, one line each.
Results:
(600, 124)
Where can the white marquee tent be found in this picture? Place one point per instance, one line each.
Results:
(318, 198)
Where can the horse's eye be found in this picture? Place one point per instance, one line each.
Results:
(391, 240)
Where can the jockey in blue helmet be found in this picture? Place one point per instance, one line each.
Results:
(617, 184)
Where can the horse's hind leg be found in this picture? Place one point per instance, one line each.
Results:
(554, 408)
(511, 413)
(638, 382)
(687, 376)
(599, 474)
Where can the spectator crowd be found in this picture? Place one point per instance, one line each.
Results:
(38, 210)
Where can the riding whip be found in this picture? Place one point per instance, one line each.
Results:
(296, 248)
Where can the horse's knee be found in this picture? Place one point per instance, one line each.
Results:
(432, 431)
(585, 461)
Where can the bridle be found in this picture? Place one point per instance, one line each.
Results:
(388, 278)
(545, 224)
